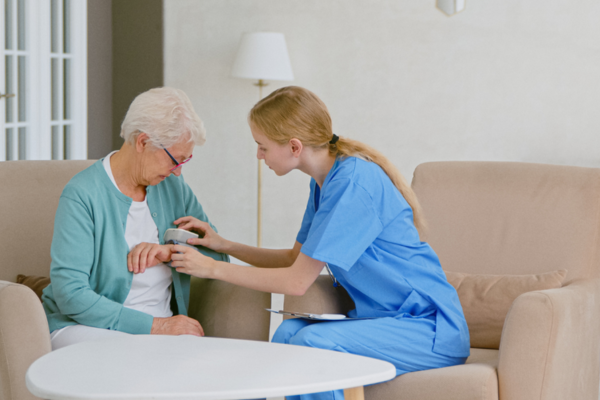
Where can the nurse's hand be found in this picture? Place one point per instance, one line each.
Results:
(146, 255)
(192, 262)
(209, 238)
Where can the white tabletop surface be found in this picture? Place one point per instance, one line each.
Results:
(188, 367)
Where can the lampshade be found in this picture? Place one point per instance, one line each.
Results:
(263, 55)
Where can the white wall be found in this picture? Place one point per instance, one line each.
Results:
(503, 80)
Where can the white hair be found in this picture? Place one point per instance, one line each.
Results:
(166, 115)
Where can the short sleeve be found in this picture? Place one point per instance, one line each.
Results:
(344, 226)
(308, 215)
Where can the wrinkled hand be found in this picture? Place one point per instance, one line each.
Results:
(176, 325)
(210, 238)
(189, 261)
(146, 255)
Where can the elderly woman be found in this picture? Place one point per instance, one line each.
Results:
(108, 273)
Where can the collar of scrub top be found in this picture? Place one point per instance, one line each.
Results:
(335, 281)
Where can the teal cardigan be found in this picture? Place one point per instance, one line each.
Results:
(89, 275)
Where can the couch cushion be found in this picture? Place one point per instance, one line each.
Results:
(229, 311)
(475, 380)
(35, 283)
(29, 197)
(486, 300)
(511, 218)
(24, 337)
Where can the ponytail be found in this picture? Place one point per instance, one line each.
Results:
(353, 148)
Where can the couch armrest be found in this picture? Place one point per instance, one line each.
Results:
(24, 337)
(550, 345)
(320, 298)
(229, 311)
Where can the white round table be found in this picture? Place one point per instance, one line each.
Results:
(188, 367)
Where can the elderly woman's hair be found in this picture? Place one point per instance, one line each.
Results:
(166, 115)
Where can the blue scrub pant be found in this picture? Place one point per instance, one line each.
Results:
(405, 342)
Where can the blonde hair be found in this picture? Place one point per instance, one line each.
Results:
(295, 112)
(166, 115)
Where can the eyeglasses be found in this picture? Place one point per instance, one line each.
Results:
(177, 165)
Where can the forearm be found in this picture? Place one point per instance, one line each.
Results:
(293, 280)
(106, 314)
(259, 257)
(272, 280)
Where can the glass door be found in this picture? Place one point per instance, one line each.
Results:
(43, 80)
(14, 146)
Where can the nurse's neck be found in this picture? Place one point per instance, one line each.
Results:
(316, 163)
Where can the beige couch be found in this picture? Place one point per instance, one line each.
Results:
(484, 218)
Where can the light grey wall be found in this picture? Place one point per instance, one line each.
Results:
(99, 78)
(503, 80)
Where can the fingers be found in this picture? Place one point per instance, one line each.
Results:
(177, 325)
(196, 241)
(135, 259)
(195, 327)
(143, 259)
(177, 248)
(191, 223)
(152, 257)
(199, 327)
(129, 262)
(182, 220)
(178, 256)
(146, 255)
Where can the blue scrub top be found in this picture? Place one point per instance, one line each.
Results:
(361, 225)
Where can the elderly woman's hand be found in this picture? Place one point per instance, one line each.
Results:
(209, 238)
(176, 325)
(146, 255)
(189, 261)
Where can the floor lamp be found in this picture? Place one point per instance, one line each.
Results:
(262, 56)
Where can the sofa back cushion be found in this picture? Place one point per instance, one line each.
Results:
(511, 218)
(486, 299)
(35, 283)
(28, 201)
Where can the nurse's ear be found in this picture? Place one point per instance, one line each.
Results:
(296, 147)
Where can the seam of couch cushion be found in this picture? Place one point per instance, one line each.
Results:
(8, 369)
(548, 347)
(594, 253)
(485, 390)
(3, 344)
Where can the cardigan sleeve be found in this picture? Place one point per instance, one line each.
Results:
(73, 251)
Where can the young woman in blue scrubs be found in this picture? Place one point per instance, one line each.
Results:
(361, 220)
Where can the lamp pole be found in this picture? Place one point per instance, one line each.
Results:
(261, 83)
(262, 56)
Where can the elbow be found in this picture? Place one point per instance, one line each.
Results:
(291, 257)
(297, 292)
(299, 289)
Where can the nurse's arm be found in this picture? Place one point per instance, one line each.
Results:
(264, 258)
(293, 280)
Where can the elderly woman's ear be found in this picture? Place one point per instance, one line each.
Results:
(141, 141)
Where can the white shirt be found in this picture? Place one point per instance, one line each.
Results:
(150, 291)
